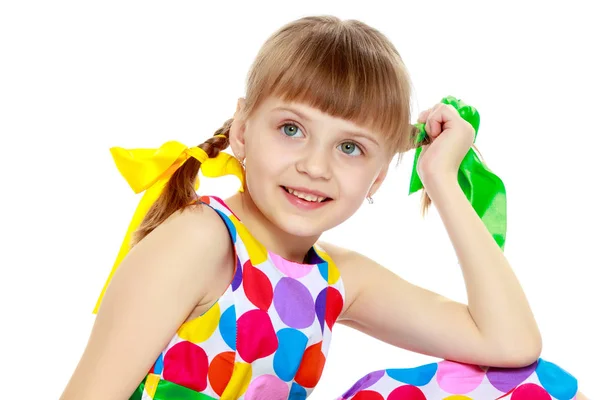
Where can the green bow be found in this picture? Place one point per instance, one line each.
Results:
(485, 190)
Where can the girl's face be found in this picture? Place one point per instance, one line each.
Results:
(307, 171)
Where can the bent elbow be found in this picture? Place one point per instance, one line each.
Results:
(519, 356)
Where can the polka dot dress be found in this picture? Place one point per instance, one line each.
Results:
(267, 338)
(449, 380)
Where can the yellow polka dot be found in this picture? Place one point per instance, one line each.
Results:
(333, 274)
(201, 328)
(238, 384)
(256, 251)
(151, 384)
(457, 397)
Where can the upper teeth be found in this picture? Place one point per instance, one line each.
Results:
(305, 196)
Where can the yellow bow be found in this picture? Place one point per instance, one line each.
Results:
(149, 170)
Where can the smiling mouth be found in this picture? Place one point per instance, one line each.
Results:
(306, 196)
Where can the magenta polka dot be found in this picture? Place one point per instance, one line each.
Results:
(186, 364)
(294, 303)
(530, 391)
(256, 337)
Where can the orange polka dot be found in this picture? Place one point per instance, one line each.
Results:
(220, 371)
(311, 366)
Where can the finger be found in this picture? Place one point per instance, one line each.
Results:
(440, 116)
(423, 116)
(433, 124)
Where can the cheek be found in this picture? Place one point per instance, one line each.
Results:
(355, 182)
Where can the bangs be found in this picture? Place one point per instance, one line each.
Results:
(341, 71)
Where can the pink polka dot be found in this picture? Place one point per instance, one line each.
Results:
(457, 378)
(186, 364)
(289, 268)
(256, 337)
(530, 391)
(257, 286)
(267, 387)
(407, 392)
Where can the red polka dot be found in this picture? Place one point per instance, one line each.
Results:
(367, 395)
(257, 286)
(334, 306)
(256, 337)
(311, 366)
(186, 364)
(407, 392)
(220, 371)
(530, 391)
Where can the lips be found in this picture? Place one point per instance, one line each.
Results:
(307, 195)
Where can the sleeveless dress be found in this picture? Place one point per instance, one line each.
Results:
(267, 338)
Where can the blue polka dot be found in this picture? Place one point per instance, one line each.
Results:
(288, 356)
(158, 365)
(297, 392)
(418, 376)
(324, 270)
(227, 327)
(230, 226)
(557, 382)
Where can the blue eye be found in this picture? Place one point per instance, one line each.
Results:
(350, 149)
(290, 130)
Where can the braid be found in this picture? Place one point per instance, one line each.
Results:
(180, 192)
(218, 142)
(414, 133)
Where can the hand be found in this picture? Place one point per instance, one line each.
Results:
(451, 138)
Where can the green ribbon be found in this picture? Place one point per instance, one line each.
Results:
(484, 190)
(167, 390)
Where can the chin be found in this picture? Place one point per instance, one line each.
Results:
(308, 224)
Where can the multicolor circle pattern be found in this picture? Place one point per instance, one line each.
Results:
(267, 336)
(541, 380)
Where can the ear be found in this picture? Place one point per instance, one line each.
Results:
(379, 180)
(238, 129)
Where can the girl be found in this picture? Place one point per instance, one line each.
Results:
(236, 298)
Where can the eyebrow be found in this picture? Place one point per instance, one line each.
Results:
(306, 117)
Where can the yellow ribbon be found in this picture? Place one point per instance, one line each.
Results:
(149, 170)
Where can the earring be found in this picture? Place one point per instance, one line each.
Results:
(242, 163)
(370, 199)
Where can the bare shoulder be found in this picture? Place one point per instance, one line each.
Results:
(195, 239)
(345, 259)
(355, 270)
(158, 284)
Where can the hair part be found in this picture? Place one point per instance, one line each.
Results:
(346, 69)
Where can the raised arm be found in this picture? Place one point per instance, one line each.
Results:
(162, 279)
(496, 328)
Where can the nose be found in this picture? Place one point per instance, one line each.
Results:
(316, 163)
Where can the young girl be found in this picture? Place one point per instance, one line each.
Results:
(236, 298)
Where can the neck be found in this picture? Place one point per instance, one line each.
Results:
(276, 240)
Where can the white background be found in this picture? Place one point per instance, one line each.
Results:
(79, 77)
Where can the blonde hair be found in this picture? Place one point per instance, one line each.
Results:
(343, 68)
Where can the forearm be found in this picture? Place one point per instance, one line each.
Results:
(496, 299)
